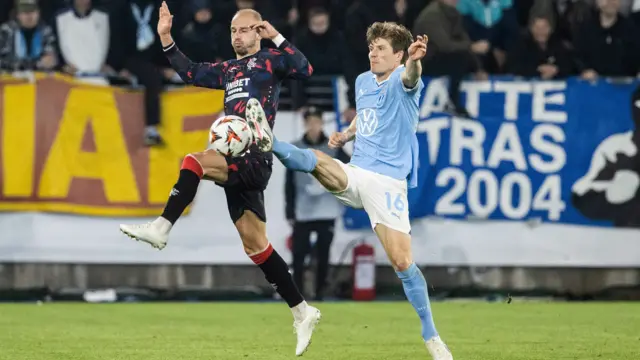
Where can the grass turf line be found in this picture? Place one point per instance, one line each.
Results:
(350, 331)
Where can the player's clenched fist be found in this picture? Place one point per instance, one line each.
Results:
(165, 21)
(418, 49)
(337, 140)
(265, 30)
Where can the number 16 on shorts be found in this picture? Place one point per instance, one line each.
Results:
(395, 201)
(396, 215)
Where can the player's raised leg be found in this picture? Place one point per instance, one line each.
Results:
(209, 165)
(397, 245)
(322, 166)
(195, 166)
(252, 230)
(257, 120)
(294, 158)
(308, 160)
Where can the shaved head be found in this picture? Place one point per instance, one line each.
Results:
(248, 12)
(244, 38)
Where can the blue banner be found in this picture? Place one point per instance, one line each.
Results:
(551, 151)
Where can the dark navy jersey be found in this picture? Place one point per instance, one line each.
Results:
(256, 76)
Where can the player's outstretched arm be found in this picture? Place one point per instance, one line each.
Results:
(413, 66)
(290, 60)
(206, 75)
(198, 74)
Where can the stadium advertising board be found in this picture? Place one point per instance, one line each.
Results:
(546, 175)
(73, 148)
(548, 151)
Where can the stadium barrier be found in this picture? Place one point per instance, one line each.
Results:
(72, 167)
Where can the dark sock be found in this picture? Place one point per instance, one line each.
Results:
(277, 274)
(184, 191)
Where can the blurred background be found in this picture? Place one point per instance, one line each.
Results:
(529, 167)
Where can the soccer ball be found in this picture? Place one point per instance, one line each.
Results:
(230, 136)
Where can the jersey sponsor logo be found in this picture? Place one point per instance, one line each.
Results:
(367, 122)
(236, 90)
(237, 84)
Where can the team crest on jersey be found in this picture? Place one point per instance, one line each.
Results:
(381, 97)
(251, 64)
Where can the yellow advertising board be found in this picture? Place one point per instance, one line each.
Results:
(75, 148)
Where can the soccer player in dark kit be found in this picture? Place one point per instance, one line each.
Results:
(251, 83)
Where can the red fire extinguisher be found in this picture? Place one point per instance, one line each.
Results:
(364, 272)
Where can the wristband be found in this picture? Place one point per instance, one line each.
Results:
(278, 40)
(167, 48)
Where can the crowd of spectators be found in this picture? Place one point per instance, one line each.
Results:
(115, 41)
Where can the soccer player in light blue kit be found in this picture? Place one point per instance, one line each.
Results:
(385, 158)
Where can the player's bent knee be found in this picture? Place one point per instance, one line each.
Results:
(330, 174)
(326, 164)
(214, 165)
(192, 163)
(254, 243)
(401, 263)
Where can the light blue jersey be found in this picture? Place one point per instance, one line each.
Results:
(386, 141)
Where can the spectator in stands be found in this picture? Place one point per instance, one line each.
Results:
(451, 52)
(83, 37)
(538, 54)
(310, 208)
(494, 22)
(140, 55)
(204, 37)
(325, 48)
(288, 10)
(571, 16)
(27, 43)
(607, 45)
(412, 9)
(402, 12)
(245, 4)
(336, 8)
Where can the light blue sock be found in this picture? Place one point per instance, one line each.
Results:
(294, 158)
(415, 287)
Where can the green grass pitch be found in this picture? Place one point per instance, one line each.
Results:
(350, 331)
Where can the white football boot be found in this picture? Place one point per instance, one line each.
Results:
(257, 120)
(155, 233)
(438, 349)
(304, 329)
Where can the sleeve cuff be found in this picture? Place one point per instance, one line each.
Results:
(410, 89)
(278, 40)
(169, 48)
